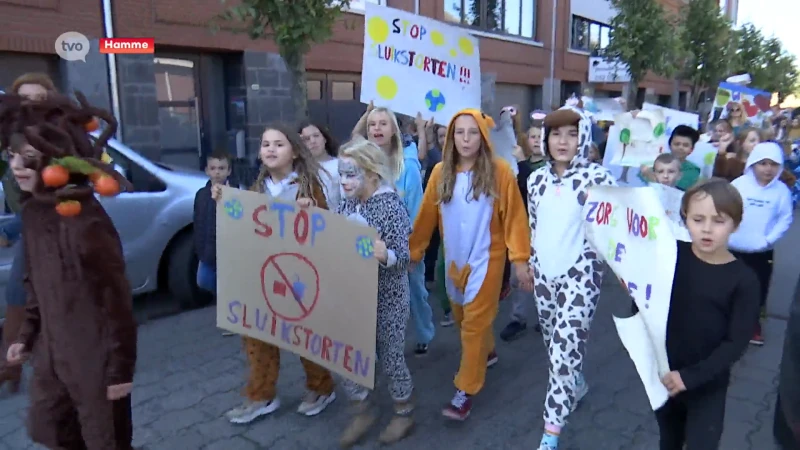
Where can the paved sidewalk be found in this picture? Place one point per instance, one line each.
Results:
(188, 375)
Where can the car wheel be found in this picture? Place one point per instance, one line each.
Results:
(182, 275)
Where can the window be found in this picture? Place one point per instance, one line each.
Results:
(588, 35)
(511, 17)
(314, 89)
(360, 5)
(343, 90)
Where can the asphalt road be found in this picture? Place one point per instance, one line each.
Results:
(189, 375)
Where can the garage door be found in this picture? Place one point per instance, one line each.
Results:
(333, 99)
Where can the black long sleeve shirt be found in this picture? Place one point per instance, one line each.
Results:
(713, 312)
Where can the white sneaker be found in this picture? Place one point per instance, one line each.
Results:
(251, 411)
(581, 389)
(447, 320)
(314, 403)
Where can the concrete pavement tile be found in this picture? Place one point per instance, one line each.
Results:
(219, 428)
(234, 443)
(186, 439)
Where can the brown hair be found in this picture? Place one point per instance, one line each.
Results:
(665, 158)
(742, 137)
(723, 122)
(726, 198)
(305, 165)
(331, 145)
(483, 179)
(221, 154)
(41, 79)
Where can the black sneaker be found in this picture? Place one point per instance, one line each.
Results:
(421, 350)
(513, 331)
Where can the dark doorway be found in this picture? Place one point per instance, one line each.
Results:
(334, 100)
(178, 91)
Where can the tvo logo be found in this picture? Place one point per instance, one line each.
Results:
(72, 46)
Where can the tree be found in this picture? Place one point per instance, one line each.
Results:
(770, 66)
(294, 26)
(492, 14)
(643, 37)
(704, 35)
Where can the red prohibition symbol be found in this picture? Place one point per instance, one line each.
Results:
(277, 292)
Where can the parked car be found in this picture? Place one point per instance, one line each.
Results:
(155, 225)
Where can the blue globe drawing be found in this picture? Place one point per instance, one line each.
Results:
(364, 247)
(234, 209)
(434, 100)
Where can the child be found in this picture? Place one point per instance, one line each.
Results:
(733, 154)
(379, 126)
(370, 199)
(566, 269)
(667, 169)
(594, 154)
(534, 158)
(79, 323)
(711, 315)
(218, 169)
(681, 144)
(288, 173)
(324, 149)
(767, 215)
(474, 199)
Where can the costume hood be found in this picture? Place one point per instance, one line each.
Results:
(570, 115)
(485, 125)
(504, 137)
(762, 151)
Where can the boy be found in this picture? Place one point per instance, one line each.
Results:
(711, 313)
(681, 144)
(218, 169)
(666, 169)
(768, 215)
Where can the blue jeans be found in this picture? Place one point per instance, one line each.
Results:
(421, 313)
(207, 277)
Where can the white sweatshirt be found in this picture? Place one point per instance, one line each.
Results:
(767, 209)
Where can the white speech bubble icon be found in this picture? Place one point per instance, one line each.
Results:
(73, 46)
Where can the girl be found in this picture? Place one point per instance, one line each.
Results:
(711, 315)
(288, 173)
(767, 216)
(566, 268)
(533, 158)
(34, 87)
(379, 126)
(731, 165)
(474, 200)
(737, 117)
(370, 199)
(323, 148)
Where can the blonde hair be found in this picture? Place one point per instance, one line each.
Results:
(396, 145)
(369, 157)
(483, 180)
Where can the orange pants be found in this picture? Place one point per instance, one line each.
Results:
(265, 363)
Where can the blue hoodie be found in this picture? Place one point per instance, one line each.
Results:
(767, 209)
(409, 183)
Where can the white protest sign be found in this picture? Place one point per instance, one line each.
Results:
(637, 140)
(629, 228)
(671, 201)
(413, 64)
(673, 117)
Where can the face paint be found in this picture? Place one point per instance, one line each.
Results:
(351, 177)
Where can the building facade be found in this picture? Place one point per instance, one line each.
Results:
(203, 90)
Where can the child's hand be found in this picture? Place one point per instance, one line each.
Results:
(518, 154)
(118, 391)
(370, 107)
(16, 354)
(724, 142)
(380, 251)
(646, 172)
(524, 276)
(673, 382)
(305, 202)
(216, 192)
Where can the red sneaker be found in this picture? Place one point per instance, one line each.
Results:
(757, 338)
(492, 359)
(459, 407)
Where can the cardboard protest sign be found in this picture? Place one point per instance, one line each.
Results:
(629, 228)
(303, 280)
(637, 140)
(703, 156)
(673, 117)
(755, 103)
(415, 64)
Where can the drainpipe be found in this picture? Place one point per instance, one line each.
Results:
(111, 60)
(552, 55)
(416, 7)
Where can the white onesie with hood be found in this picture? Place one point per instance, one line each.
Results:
(767, 209)
(567, 270)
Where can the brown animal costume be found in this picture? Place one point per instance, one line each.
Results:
(79, 324)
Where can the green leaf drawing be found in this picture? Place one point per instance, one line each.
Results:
(723, 97)
(709, 158)
(659, 130)
(625, 136)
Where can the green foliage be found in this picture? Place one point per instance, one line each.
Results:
(770, 66)
(642, 36)
(294, 25)
(704, 37)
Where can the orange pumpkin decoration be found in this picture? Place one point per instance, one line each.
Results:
(105, 185)
(69, 208)
(92, 125)
(55, 176)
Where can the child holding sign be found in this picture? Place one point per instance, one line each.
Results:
(767, 215)
(475, 200)
(289, 173)
(566, 268)
(711, 316)
(370, 199)
(681, 144)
